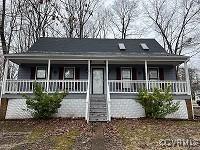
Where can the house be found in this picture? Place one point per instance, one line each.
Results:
(102, 76)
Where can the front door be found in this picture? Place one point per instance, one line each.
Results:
(97, 81)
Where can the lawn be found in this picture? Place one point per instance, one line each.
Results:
(66, 134)
(148, 134)
(59, 134)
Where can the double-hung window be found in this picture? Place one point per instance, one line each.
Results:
(153, 74)
(126, 75)
(41, 72)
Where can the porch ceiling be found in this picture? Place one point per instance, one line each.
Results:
(33, 61)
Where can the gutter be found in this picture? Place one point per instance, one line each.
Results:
(86, 57)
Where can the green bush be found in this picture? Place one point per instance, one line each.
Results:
(43, 105)
(157, 104)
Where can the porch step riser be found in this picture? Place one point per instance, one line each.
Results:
(98, 109)
(98, 117)
(104, 112)
(98, 101)
(94, 103)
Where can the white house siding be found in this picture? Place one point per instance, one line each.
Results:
(69, 108)
(129, 108)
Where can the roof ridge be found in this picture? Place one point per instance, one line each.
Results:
(96, 38)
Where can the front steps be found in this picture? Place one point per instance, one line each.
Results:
(98, 108)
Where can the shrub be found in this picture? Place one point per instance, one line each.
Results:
(157, 104)
(43, 105)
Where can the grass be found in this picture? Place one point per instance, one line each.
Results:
(36, 134)
(61, 134)
(41, 134)
(146, 134)
(65, 141)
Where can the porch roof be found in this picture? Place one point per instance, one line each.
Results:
(34, 58)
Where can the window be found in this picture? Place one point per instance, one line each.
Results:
(153, 74)
(41, 73)
(126, 74)
(69, 73)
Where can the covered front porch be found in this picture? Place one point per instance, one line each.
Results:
(103, 76)
(95, 77)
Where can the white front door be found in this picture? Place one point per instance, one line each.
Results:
(97, 81)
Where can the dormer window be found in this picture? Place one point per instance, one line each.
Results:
(144, 46)
(122, 46)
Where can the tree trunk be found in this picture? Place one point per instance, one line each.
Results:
(2, 28)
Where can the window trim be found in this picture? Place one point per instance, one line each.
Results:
(130, 68)
(36, 78)
(73, 75)
(157, 68)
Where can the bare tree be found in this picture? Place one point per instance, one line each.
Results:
(22, 23)
(174, 21)
(100, 25)
(74, 15)
(194, 78)
(2, 26)
(124, 12)
(36, 17)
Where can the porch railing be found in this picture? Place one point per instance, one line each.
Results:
(176, 87)
(27, 86)
(126, 86)
(134, 86)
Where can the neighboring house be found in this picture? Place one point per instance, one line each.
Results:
(102, 76)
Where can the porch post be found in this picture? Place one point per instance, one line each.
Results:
(48, 74)
(187, 77)
(88, 72)
(88, 95)
(146, 74)
(5, 74)
(107, 74)
(107, 92)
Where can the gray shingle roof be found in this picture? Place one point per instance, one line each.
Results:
(98, 46)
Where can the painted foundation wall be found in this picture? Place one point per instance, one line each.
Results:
(120, 108)
(129, 108)
(69, 108)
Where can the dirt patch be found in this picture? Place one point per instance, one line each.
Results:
(77, 134)
(148, 133)
(41, 134)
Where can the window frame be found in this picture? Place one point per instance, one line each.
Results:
(158, 75)
(36, 73)
(121, 70)
(73, 74)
